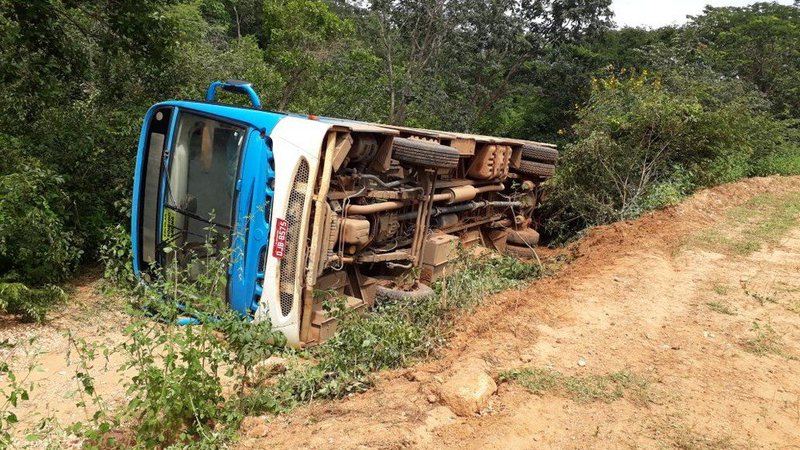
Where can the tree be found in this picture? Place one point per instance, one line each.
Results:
(449, 64)
(757, 43)
(302, 37)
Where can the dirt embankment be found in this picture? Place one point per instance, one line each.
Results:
(701, 301)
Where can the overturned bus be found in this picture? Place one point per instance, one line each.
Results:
(312, 204)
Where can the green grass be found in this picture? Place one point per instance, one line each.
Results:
(765, 340)
(722, 308)
(583, 389)
(763, 220)
(721, 289)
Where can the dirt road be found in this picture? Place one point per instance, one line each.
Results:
(702, 301)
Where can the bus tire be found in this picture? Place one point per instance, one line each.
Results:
(540, 153)
(387, 294)
(537, 169)
(519, 251)
(420, 153)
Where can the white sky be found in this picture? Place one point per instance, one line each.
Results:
(657, 13)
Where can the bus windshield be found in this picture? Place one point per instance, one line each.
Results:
(199, 194)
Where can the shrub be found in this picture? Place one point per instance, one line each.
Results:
(36, 249)
(93, 153)
(16, 390)
(779, 150)
(176, 394)
(115, 254)
(32, 304)
(645, 141)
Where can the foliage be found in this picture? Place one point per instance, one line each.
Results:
(115, 254)
(765, 342)
(722, 308)
(644, 141)
(179, 374)
(302, 38)
(16, 389)
(31, 304)
(86, 71)
(645, 116)
(757, 43)
(175, 374)
(35, 247)
(176, 390)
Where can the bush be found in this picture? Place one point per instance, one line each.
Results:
(779, 150)
(32, 304)
(94, 154)
(36, 249)
(646, 141)
(115, 254)
(176, 394)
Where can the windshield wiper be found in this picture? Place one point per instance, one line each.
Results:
(194, 216)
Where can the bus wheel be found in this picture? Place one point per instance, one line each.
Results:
(418, 292)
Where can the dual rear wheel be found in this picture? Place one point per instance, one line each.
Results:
(538, 161)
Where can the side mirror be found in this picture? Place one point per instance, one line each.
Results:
(235, 86)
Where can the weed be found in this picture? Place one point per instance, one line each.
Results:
(721, 289)
(766, 340)
(583, 389)
(685, 438)
(761, 298)
(176, 393)
(722, 308)
(744, 247)
(536, 380)
(16, 389)
(31, 304)
(115, 255)
(95, 430)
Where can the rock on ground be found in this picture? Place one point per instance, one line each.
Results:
(254, 427)
(468, 391)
